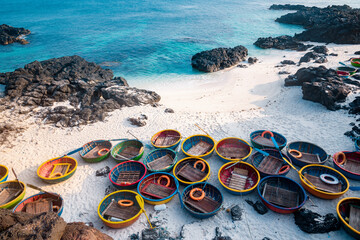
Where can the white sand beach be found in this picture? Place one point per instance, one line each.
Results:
(229, 103)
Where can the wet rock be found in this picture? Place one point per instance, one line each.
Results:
(321, 60)
(283, 72)
(80, 231)
(10, 35)
(258, 206)
(218, 235)
(169, 110)
(320, 49)
(288, 62)
(333, 54)
(252, 60)
(102, 171)
(134, 236)
(357, 53)
(281, 42)
(312, 222)
(236, 213)
(218, 58)
(242, 66)
(287, 7)
(138, 121)
(308, 56)
(149, 234)
(311, 74)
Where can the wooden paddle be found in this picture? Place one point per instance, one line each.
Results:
(138, 199)
(41, 190)
(202, 129)
(22, 187)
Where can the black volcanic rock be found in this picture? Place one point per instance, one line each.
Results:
(281, 42)
(10, 34)
(320, 49)
(287, 7)
(312, 222)
(357, 53)
(218, 58)
(288, 62)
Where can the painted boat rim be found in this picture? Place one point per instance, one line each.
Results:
(168, 145)
(185, 182)
(55, 178)
(16, 199)
(6, 174)
(199, 156)
(230, 159)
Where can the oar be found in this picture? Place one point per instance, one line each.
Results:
(22, 187)
(202, 129)
(41, 190)
(181, 201)
(142, 208)
(354, 188)
(142, 148)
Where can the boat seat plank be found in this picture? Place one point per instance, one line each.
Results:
(280, 196)
(40, 206)
(264, 141)
(190, 173)
(232, 152)
(270, 165)
(166, 140)
(93, 153)
(60, 168)
(161, 163)
(309, 158)
(206, 205)
(319, 184)
(128, 152)
(128, 177)
(354, 218)
(199, 148)
(352, 165)
(9, 194)
(237, 181)
(117, 211)
(157, 190)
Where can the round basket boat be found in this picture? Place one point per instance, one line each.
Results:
(160, 160)
(272, 164)
(355, 62)
(191, 170)
(305, 153)
(344, 209)
(53, 203)
(167, 138)
(208, 206)
(239, 179)
(57, 169)
(233, 149)
(327, 190)
(127, 150)
(4, 172)
(201, 146)
(95, 151)
(281, 194)
(343, 74)
(127, 175)
(350, 70)
(120, 209)
(346, 163)
(262, 139)
(12, 193)
(158, 188)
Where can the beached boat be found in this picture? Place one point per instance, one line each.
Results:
(158, 188)
(11, 193)
(201, 146)
(42, 202)
(4, 172)
(127, 150)
(233, 149)
(167, 138)
(323, 181)
(95, 151)
(57, 169)
(160, 160)
(202, 200)
(348, 211)
(305, 153)
(127, 175)
(239, 179)
(355, 62)
(348, 163)
(262, 139)
(120, 209)
(191, 170)
(350, 70)
(281, 194)
(270, 163)
(343, 74)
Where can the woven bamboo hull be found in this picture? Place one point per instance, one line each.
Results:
(170, 132)
(4, 172)
(243, 144)
(127, 143)
(195, 139)
(13, 203)
(280, 139)
(355, 64)
(319, 193)
(50, 163)
(106, 144)
(257, 158)
(347, 173)
(340, 213)
(157, 153)
(304, 146)
(181, 181)
(126, 166)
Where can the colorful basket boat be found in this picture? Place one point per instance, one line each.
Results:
(57, 169)
(4, 172)
(343, 74)
(239, 179)
(262, 139)
(348, 211)
(350, 70)
(323, 179)
(11, 193)
(127, 150)
(355, 62)
(158, 188)
(167, 138)
(348, 163)
(272, 164)
(160, 160)
(201, 146)
(42, 202)
(127, 175)
(115, 215)
(281, 194)
(191, 170)
(208, 206)
(95, 151)
(305, 153)
(233, 149)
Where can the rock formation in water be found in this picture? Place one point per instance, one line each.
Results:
(10, 35)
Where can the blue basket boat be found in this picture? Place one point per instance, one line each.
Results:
(201, 146)
(162, 160)
(304, 153)
(272, 164)
(262, 139)
(127, 175)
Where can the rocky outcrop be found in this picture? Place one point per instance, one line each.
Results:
(287, 7)
(312, 222)
(90, 90)
(80, 231)
(218, 58)
(281, 42)
(10, 35)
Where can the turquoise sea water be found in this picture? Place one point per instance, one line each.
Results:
(140, 40)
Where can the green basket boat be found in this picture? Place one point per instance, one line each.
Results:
(95, 151)
(127, 150)
(355, 62)
(11, 193)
